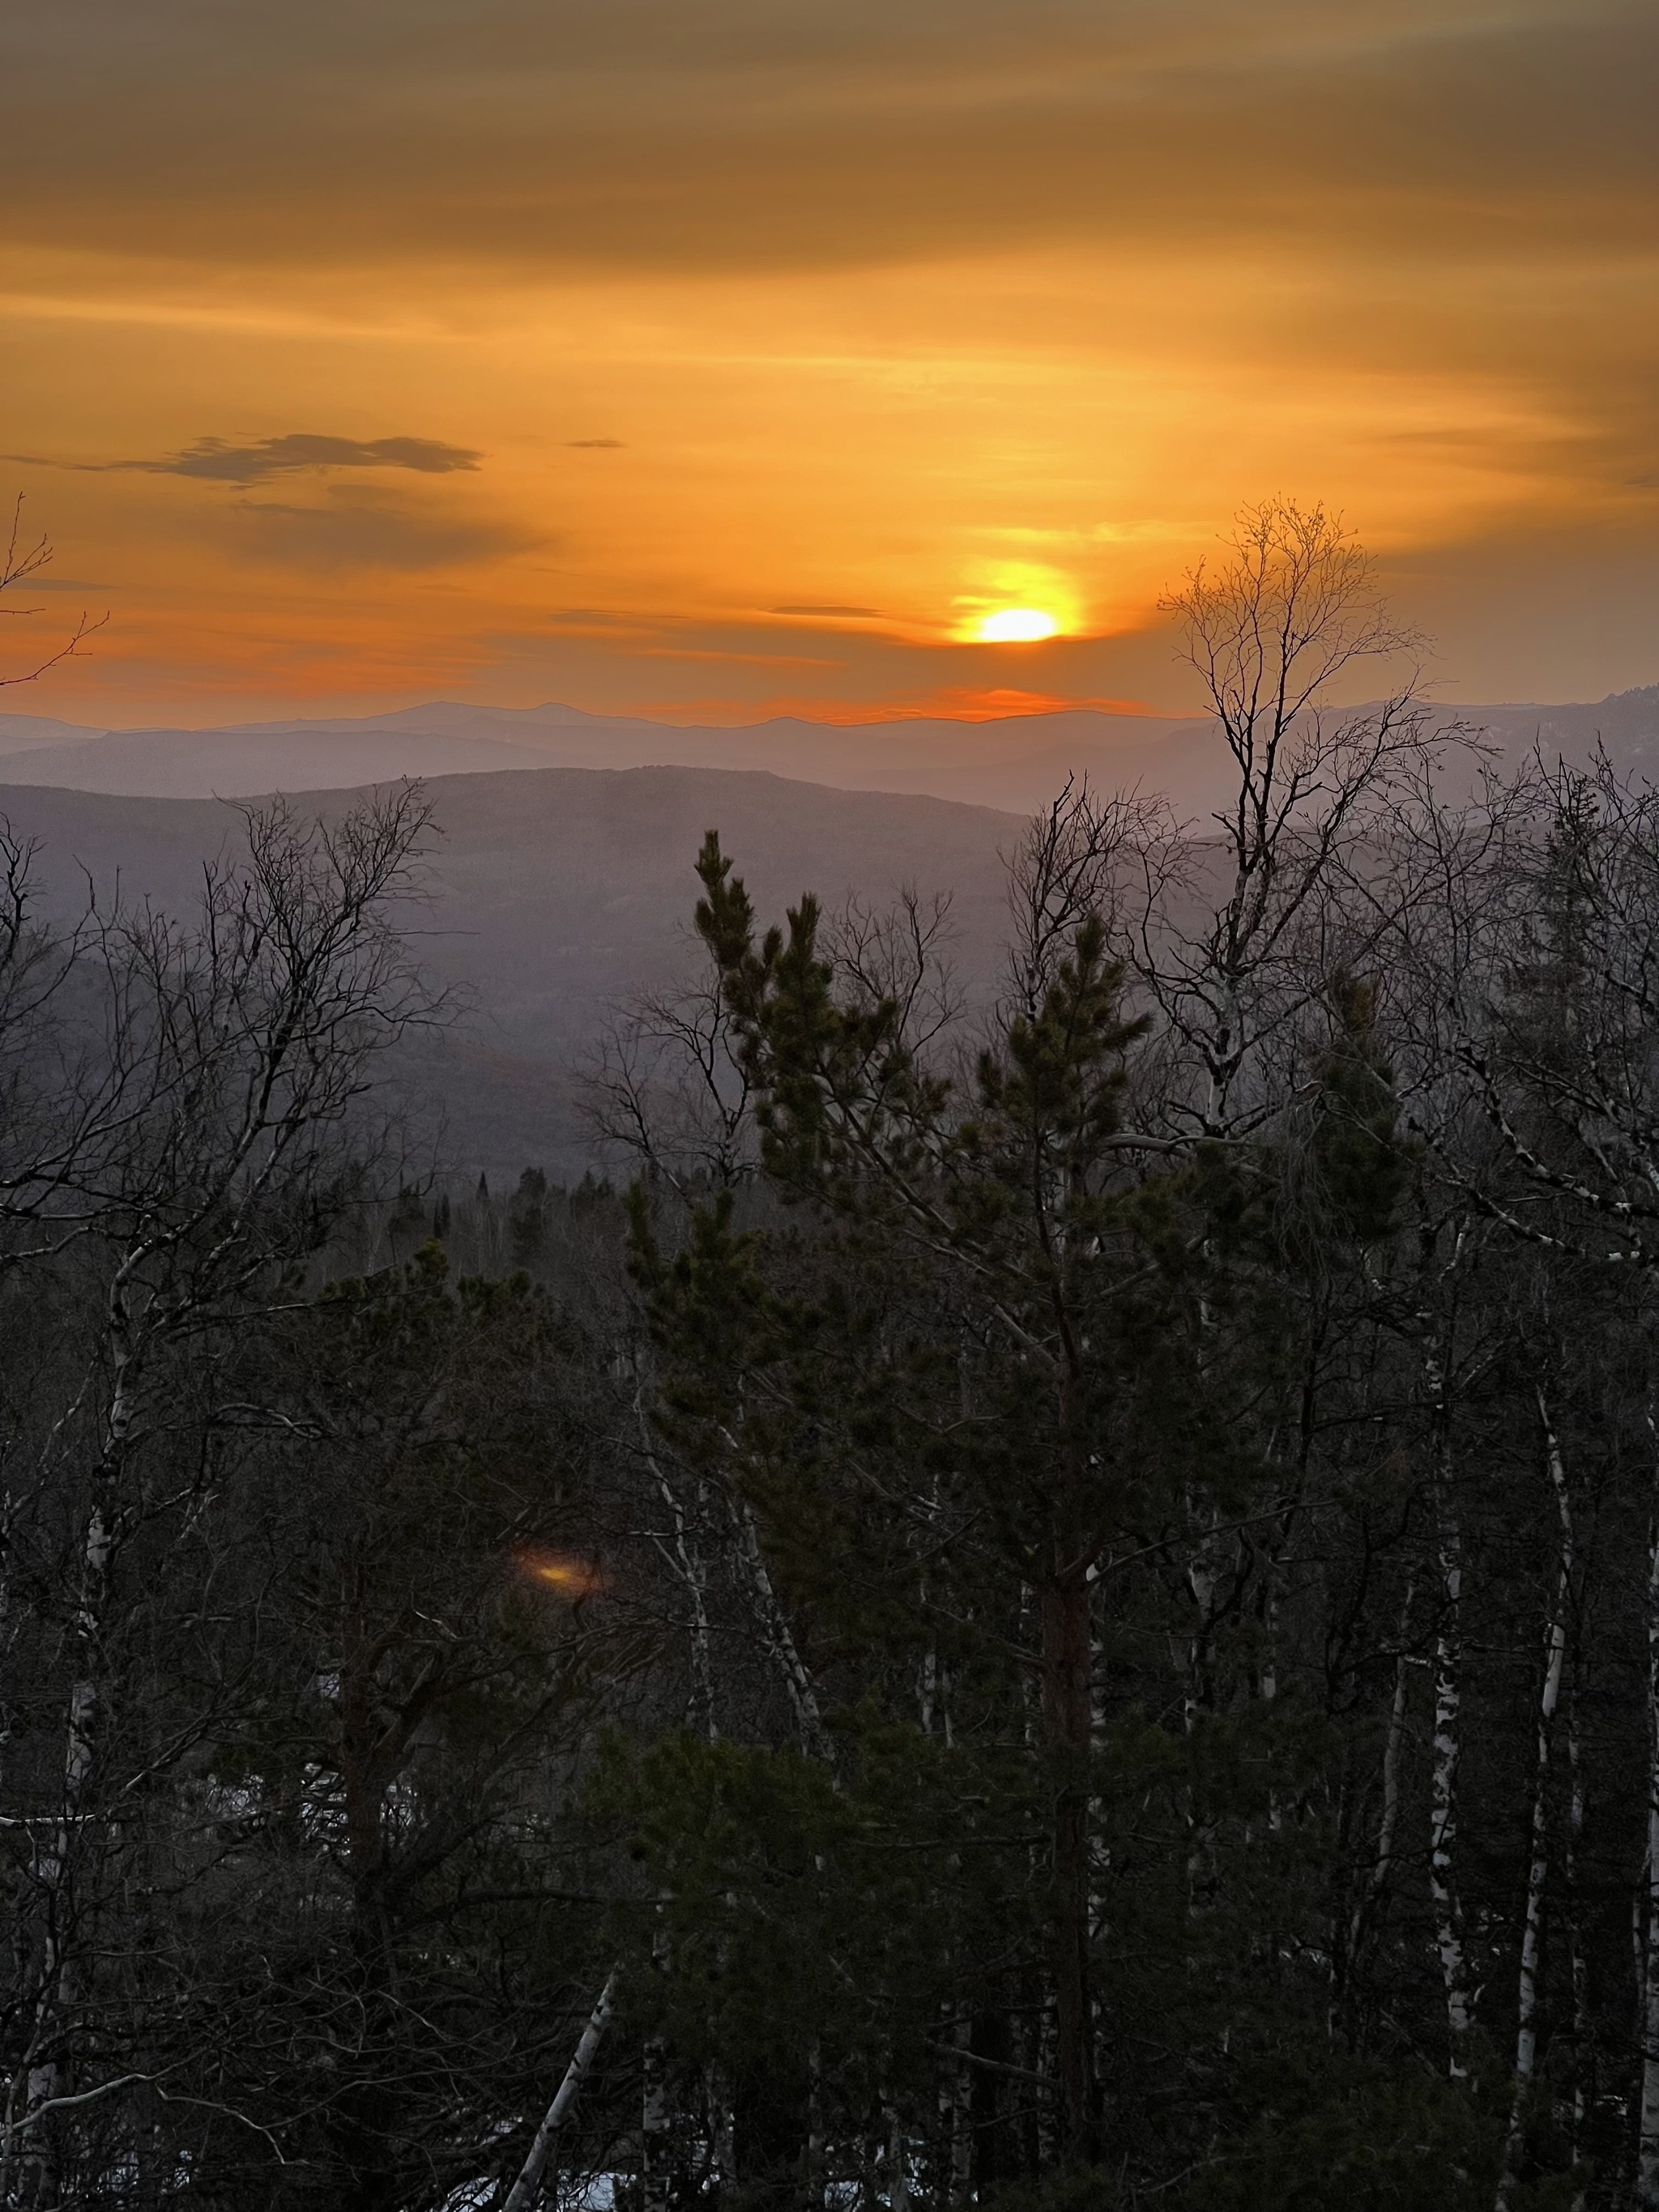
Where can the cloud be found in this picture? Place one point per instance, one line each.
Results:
(594, 445)
(217, 460)
(357, 531)
(829, 133)
(224, 463)
(829, 613)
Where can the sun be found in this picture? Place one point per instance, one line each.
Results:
(1015, 626)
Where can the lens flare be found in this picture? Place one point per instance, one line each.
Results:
(1015, 626)
(572, 1578)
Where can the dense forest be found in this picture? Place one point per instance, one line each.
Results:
(1048, 1601)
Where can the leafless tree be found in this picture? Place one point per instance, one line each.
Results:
(197, 1161)
(666, 1087)
(24, 558)
(1289, 614)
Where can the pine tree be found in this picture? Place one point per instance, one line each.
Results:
(1001, 1337)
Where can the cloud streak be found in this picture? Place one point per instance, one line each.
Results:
(217, 460)
(359, 532)
(829, 613)
(729, 134)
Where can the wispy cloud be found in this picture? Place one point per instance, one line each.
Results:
(358, 531)
(217, 460)
(830, 132)
(829, 614)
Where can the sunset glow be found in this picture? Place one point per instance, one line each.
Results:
(1016, 626)
(561, 353)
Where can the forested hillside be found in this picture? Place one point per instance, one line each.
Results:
(1048, 1603)
(544, 897)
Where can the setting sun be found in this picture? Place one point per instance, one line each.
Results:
(1015, 626)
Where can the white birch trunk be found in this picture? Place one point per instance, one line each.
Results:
(814, 2176)
(656, 2117)
(52, 2079)
(1526, 2031)
(1577, 1962)
(898, 2166)
(1048, 2131)
(656, 2111)
(956, 2104)
(688, 1564)
(1202, 1577)
(1647, 2154)
(722, 2146)
(526, 2190)
(1447, 1737)
(809, 1718)
(1388, 1823)
(775, 1626)
(1371, 1900)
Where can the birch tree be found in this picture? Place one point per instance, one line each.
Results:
(1538, 1868)
(223, 1126)
(1289, 613)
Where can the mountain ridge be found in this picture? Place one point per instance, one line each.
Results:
(554, 893)
(1015, 763)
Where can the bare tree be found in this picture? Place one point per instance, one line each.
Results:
(227, 1136)
(667, 1088)
(24, 558)
(1290, 613)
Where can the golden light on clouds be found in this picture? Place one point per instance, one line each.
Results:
(595, 354)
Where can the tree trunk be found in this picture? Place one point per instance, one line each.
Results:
(1647, 2156)
(1373, 1892)
(1583, 2052)
(899, 2165)
(688, 1566)
(656, 2103)
(656, 2127)
(815, 1738)
(1448, 1738)
(1068, 1726)
(524, 2190)
(955, 2167)
(1555, 1650)
(60, 1993)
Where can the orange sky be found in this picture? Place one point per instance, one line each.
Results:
(354, 352)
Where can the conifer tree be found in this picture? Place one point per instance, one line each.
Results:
(1050, 1275)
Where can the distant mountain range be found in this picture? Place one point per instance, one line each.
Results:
(553, 893)
(1015, 763)
(563, 878)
